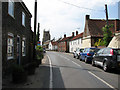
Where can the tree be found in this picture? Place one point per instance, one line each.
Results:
(107, 34)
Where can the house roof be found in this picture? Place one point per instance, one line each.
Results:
(95, 26)
(77, 36)
(54, 43)
(66, 38)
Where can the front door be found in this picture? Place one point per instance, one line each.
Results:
(18, 50)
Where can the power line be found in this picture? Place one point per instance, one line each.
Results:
(81, 7)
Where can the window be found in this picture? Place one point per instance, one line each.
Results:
(11, 8)
(10, 45)
(23, 47)
(23, 18)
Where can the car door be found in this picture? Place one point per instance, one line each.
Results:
(82, 54)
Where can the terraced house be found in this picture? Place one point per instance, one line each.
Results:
(17, 36)
(93, 30)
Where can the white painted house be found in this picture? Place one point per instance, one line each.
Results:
(75, 42)
(53, 46)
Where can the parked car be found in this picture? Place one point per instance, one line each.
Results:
(77, 53)
(107, 58)
(87, 54)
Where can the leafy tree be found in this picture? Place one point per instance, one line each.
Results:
(107, 34)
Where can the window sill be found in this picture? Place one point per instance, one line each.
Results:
(23, 55)
(9, 58)
(11, 16)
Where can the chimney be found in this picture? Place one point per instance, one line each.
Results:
(116, 25)
(64, 35)
(87, 17)
(76, 32)
(73, 34)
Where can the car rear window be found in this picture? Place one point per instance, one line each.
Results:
(94, 50)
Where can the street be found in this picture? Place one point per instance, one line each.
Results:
(68, 72)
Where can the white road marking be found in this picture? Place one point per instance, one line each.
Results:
(102, 80)
(51, 76)
(92, 74)
(77, 64)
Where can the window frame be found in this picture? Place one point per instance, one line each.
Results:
(23, 19)
(24, 40)
(10, 36)
(11, 9)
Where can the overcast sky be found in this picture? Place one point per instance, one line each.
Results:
(62, 18)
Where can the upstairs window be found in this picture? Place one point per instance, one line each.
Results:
(11, 8)
(10, 50)
(23, 18)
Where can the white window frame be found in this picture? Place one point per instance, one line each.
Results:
(24, 47)
(12, 45)
(11, 8)
(23, 18)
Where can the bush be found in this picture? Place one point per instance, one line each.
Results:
(39, 48)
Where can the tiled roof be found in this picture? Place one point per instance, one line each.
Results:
(54, 43)
(95, 27)
(77, 36)
(66, 38)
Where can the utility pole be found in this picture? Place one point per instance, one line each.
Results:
(38, 33)
(35, 21)
(106, 11)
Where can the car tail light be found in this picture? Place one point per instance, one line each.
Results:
(111, 51)
(88, 54)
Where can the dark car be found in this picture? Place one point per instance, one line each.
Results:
(87, 54)
(77, 53)
(107, 58)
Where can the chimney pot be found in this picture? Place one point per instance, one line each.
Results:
(76, 32)
(73, 34)
(64, 35)
(87, 17)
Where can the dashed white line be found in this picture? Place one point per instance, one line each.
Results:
(51, 76)
(102, 80)
(77, 64)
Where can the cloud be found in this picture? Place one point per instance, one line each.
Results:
(63, 18)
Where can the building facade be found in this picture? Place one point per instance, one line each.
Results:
(63, 45)
(17, 36)
(76, 42)
(93, 30)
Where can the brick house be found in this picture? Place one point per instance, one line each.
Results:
(93, 30)
(76, 42)
(63, 45)
(17, 36)
(53, 45)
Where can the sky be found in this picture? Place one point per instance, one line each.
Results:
(62, 17)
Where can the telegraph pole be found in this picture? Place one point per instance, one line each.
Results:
(38, 33)
(106, 11)
(35, 21)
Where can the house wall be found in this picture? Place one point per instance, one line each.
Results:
(75, 44)
(62, 47)
(14, 26)
(50, 46)
(86, 42)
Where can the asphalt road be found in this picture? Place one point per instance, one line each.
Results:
(68, 72)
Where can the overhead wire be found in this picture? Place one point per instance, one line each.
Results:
(81, 7)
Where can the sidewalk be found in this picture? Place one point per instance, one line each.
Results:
(39, 80)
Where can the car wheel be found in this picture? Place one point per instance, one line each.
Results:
(105, 66)
(93, 63)
(77, 57)
(86, 60)
(80, 58)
